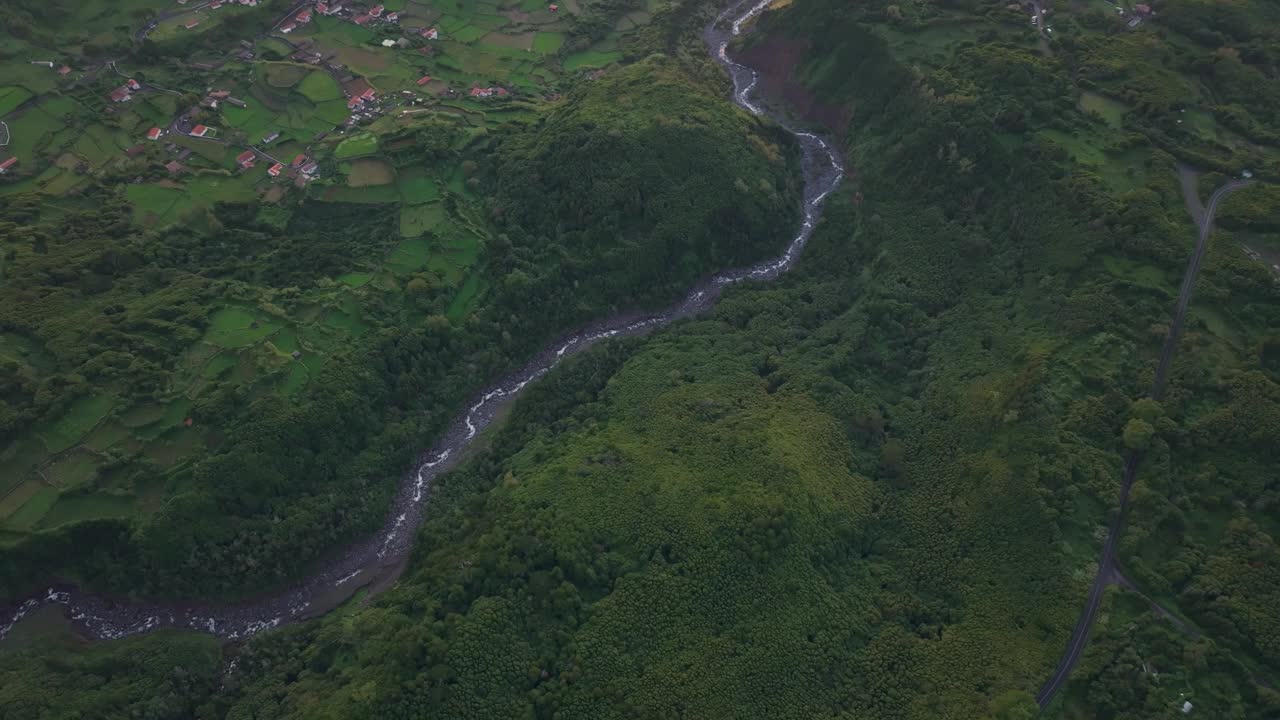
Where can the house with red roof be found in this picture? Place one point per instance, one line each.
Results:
(299, 161)
(361, 20)
(215, 4)
(199, 131)
(246, 159)
(132, 84)
(553, 8)
(303, 16)
(322, 8)
(4, 166)
(431, 33)
(393, 17)
(376, 10)
(424, 80)
(120, 94)
(367, 94)
(154, 133)
(288, 28)
(274, 170)
(190, 23)
(65, 69)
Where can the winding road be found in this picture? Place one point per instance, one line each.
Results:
(377, 561)
(1107, 567)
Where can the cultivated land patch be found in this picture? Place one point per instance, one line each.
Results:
(370, 171)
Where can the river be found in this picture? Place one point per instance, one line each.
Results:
(377, 561)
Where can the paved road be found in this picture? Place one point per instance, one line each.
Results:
(1107, 563)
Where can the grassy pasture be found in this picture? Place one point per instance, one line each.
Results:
(417, 185)
(83, 415)
(1111, 111)
(417, 219)
(233, 327)
(356, 145)
(355, 279)
(151, 203)
(411, 254)
(472, 289)
(33, 509)
(372, 194)
(548, 43)
(282, 75)
(11, 97)
(77, 508)
(319, 86)
(370, 171)
(591, 59)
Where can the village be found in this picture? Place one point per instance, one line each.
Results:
(251, 104)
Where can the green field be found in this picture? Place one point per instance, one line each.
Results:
(357, 145)
(417, 185)
(418, 219)
(318, 86)
(370, 171)
(11, 97)
(283, 75)
(371, 194)
(548, 42)
(235, 327)
(83, 415)
(591, 59)
(411, 254)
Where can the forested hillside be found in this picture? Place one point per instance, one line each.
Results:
(875, 488)
(130, 335)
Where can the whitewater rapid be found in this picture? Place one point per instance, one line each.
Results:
(378, 559)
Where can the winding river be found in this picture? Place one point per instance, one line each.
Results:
(377, 561)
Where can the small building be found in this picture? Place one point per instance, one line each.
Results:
(303, 16)
(274, 170)
(1187, 707)
(424, 80)
(64, 70)
(1246, 174)
(553, 8)
(199, 131)
(322, 8)
(215, 4)
(1143, 9)
(220, 94)
(376, 11)
(246, 159)
(174, 167)
(311, 168)
(190, 23)
(388, 42)
(135, 151)
(393, 17)
(120, 94)
(270, 138)
(431, 34)
(237, 102)
(360, 20)
(288, 28)
(299, 161)
(7, 164)
(154, 133)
